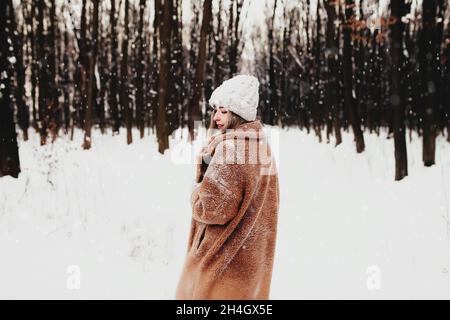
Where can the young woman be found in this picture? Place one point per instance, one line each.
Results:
(234, 204)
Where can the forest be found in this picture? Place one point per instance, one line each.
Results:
(325, 66)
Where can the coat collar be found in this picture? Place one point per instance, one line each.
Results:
(252, 130)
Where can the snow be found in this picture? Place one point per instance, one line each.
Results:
(113, 221)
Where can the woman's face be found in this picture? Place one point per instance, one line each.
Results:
(222, 117)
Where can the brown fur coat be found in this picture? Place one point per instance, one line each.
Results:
(234, 220)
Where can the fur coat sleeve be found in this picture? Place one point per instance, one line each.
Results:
(216, 199)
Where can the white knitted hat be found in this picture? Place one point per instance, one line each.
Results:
(239, 94)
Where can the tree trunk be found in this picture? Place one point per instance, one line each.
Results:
(218, 58)
(154, 73)
(9, 153)
(317, 50)
(31, 52)
(428, 65)
(53, 92)
(79, 95)
(113, 101)
(92, 58)
(200, 68)
(446, 91)
(44, 77)
(124, 97)
(349, 99)
(273, 96)
(331, 92)
(102, 89)
(140, 110)
(23, 113)
(397, 99)
(164, 62)
(66, 82)
(179, 90)
(235, 37)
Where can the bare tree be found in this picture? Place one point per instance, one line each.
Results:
(113, 76)
(125, 89)
(348, 81)
(200, 68)
(9, 154)
(140, 110)
(92, 59)
(235, 35)
(332, 83)
(165, 31)
(429, 53)
(273, 96)
(397, 101)
(23, 113)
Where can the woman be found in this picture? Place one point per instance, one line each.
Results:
(234, 203)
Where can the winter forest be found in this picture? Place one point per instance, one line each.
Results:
(338, 65)
(94, 95)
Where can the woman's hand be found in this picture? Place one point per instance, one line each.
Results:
(203, 158)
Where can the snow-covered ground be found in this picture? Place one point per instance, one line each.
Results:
(112, 222)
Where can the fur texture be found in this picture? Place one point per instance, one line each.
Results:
(234, 220)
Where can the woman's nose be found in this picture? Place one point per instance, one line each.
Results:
(216, 116)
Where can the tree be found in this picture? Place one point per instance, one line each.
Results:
(23, 113)
(82, 66)
(92, 59)
(446, 79)
(125, 89)
(113, 77)
(200, 68)
(140, 110)
(52, 93)
(317, 111)
(9, 153)
(397, 97)
(44, 74)
(218, 44)
(332, 84)
(349, 99)
(273, 96)
(165, 32)
(235, 36)
(429, 53)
